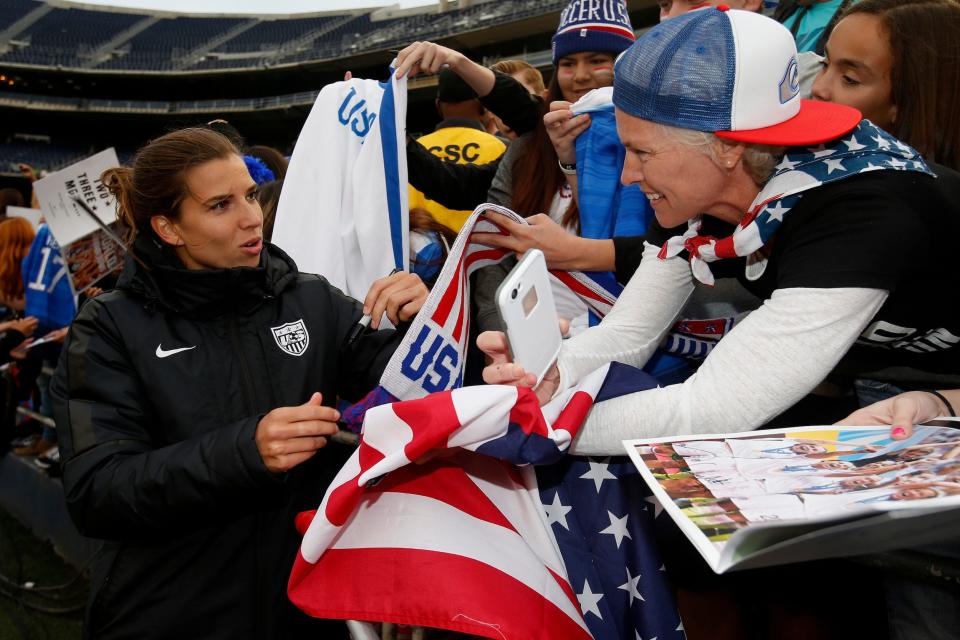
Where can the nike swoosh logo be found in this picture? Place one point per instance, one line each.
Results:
(161, 353)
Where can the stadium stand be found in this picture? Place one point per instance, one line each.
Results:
(161, 46)
(428, 26)
(14, 10)
(83, 38)
(57, 103)
(38, 154)
(342, 40)
(269, 35)
(63, 37)
(87, 78)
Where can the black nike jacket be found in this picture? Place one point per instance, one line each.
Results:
(157, 396)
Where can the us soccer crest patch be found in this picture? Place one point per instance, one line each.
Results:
(292, 337)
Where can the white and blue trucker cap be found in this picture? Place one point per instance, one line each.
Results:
(733, 73)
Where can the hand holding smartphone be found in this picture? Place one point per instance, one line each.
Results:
(525, 302)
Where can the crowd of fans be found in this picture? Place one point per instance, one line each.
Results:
(36, 306)
(842, 307)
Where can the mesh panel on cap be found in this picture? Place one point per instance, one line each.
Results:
(680, 73)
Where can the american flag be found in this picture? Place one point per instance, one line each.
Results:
(351, 565)
(473, 539)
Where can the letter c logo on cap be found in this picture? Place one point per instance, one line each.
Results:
(790, 83)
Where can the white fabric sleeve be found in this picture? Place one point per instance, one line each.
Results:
(768, 362)
(631, 332)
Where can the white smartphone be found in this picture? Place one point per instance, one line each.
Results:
(525, 302)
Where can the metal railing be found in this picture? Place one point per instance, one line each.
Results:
(22, 411)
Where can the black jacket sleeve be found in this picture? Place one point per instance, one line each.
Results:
(121, 479)
(455, 186)
(361, 361)
(366, 359)
(9, 340)
(464, 186)
(511, 102)
(628, 251)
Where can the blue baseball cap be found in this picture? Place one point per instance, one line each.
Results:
(733, 73)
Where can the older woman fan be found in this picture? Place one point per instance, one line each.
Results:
(837, 226)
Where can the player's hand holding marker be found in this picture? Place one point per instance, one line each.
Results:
(400, 295)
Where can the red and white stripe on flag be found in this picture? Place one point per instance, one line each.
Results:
(458, 542)
(444, 320)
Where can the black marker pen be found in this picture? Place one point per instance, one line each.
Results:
(363, 323)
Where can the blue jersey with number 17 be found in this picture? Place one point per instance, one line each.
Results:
(46, 284)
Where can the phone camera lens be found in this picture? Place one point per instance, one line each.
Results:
(513, 294)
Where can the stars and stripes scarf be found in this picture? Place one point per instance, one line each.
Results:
(867, 148)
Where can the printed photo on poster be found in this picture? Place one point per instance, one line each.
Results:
(719, 486)
(91, 258)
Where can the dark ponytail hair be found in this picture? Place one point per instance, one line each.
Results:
(155, 184)
(925, 73)
(536, 176)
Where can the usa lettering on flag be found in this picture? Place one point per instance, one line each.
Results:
(431, 359)
(433, 353)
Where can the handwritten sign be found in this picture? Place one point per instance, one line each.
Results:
(67, 221)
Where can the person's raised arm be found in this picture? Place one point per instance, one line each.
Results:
(455, 186)
(498, 92)
(429, 57)
(562, 249)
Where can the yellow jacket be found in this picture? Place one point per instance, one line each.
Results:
(464, 142)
